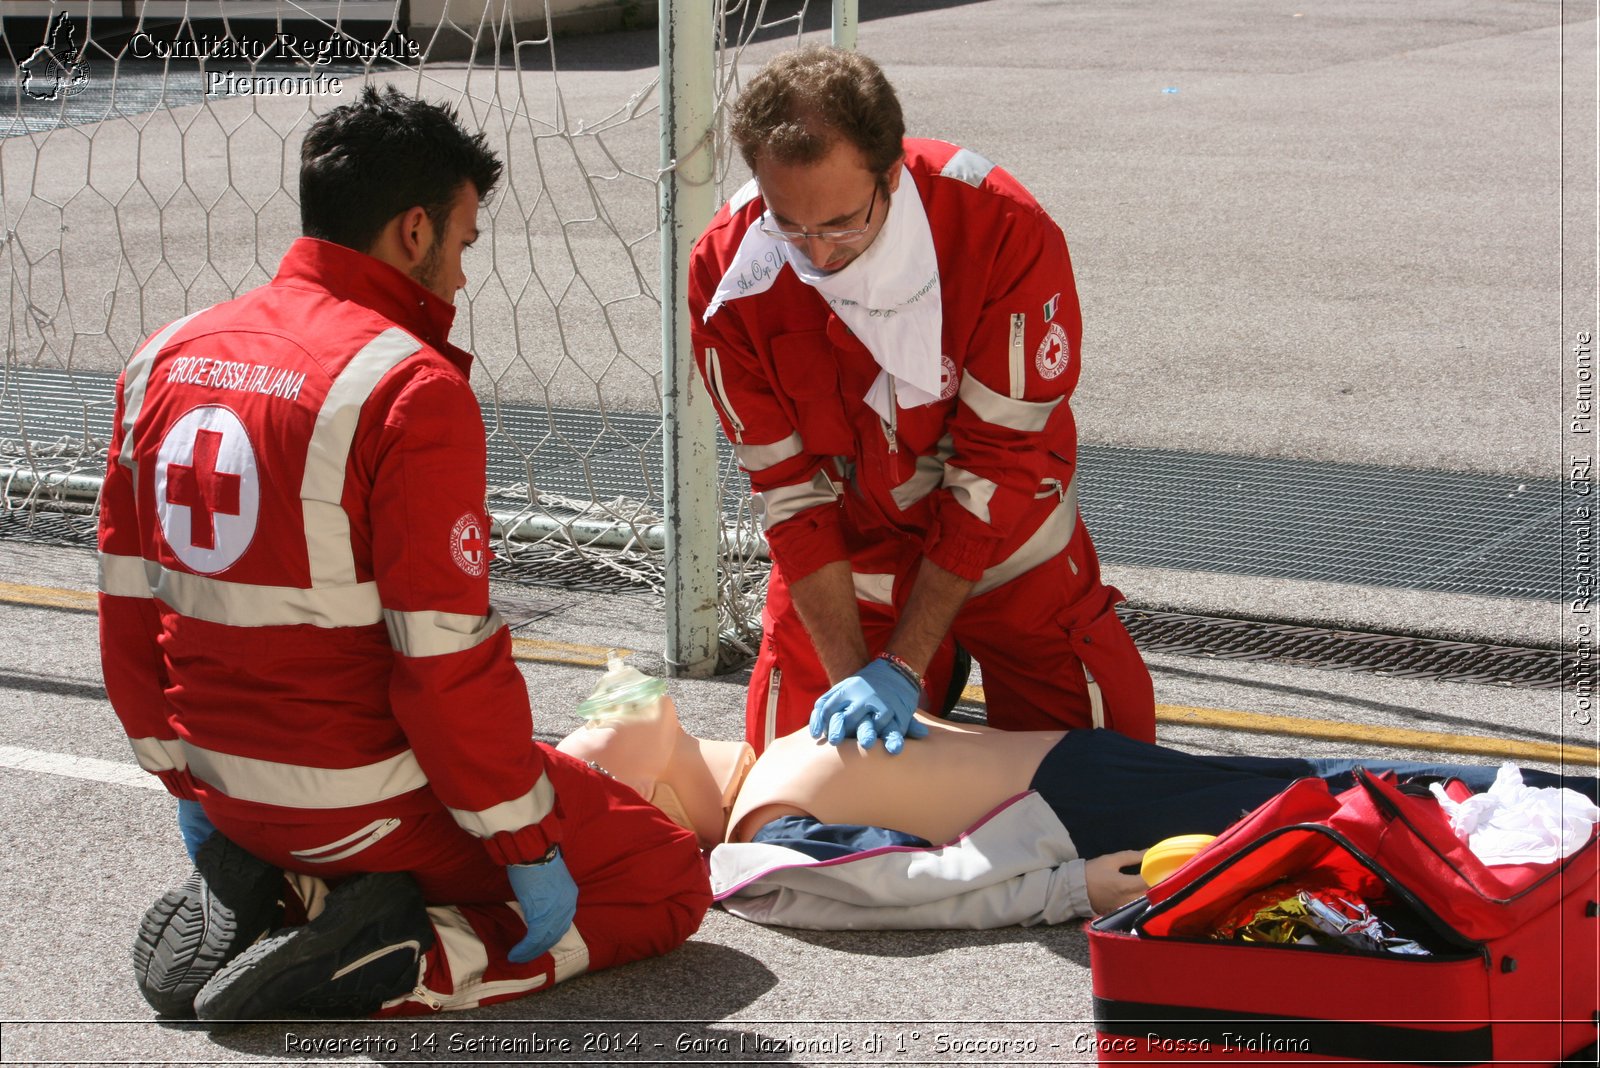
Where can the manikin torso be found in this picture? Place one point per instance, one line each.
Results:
(935, 788)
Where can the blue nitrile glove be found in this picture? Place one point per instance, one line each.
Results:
(876, 701)
(894, 727)
(549, 900)
(194, 825)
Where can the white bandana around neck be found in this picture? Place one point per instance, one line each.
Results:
(888, 296)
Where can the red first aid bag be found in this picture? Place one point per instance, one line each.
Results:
(1512, 970)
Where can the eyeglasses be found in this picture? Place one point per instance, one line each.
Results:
(852, 236)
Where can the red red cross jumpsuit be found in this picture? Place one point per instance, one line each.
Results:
(983, 481)
(296, 631)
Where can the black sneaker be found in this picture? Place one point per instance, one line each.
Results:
(187, 937)
(362, 950)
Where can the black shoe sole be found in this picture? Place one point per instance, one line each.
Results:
(257, 984)
(192, 933)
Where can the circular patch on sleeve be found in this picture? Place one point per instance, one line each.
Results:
(949, 378)
(469, 545)
(208, 491)
(1054, 353)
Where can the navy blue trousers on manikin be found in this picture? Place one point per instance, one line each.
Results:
(1112, 792)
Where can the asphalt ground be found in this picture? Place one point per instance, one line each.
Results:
(1355, 231)
(88, 845)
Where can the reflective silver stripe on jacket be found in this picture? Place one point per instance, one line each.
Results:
(418, 634)
(463, 950)
(972, 492)
(123, 576)
(467, 962)
(761, 457)
(349, 845)
(332, 557)
(967, 166)
(136, 379)
(298, 786)
(773, 506)
(512, 815)
(999, 410)
(158, 754)
(239, 605)
(927, 476)
(1050, 539)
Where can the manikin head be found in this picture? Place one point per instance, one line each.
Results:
(645, 747)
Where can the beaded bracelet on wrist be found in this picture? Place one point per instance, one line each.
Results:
(909, 673)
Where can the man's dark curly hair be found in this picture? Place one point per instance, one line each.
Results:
(364, 163)
(804, 100)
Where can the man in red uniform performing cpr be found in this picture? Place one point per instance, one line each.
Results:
(890, 332)
(296, 632)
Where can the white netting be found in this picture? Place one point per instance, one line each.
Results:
(148, 170)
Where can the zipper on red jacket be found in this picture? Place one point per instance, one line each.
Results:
(891, 428)
(720, 393)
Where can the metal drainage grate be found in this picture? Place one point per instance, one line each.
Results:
(48, 527)
(1356, 524)
(533, 565)
(1393, 655)
(596, 572)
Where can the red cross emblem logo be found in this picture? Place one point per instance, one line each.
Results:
(207, 488)
(1053, 354)
(203, 489)
(949, 379)
(469, 545)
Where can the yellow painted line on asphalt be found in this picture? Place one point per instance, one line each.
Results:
(547, 652)
(47, 597)
(563, 652)
(1371, 734)
(1361, 734)
(532, 649)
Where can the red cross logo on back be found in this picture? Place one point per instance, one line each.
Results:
(203, 489)
(207, 488)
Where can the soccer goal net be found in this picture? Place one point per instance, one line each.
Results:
(148, 162)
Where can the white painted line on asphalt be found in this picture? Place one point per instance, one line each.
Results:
(76, 767)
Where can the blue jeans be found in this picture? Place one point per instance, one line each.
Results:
(1113, 793)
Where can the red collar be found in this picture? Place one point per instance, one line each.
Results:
(373, 284)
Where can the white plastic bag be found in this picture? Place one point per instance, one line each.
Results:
(1511, 823)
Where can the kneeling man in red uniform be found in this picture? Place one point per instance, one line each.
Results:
(296, 632)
